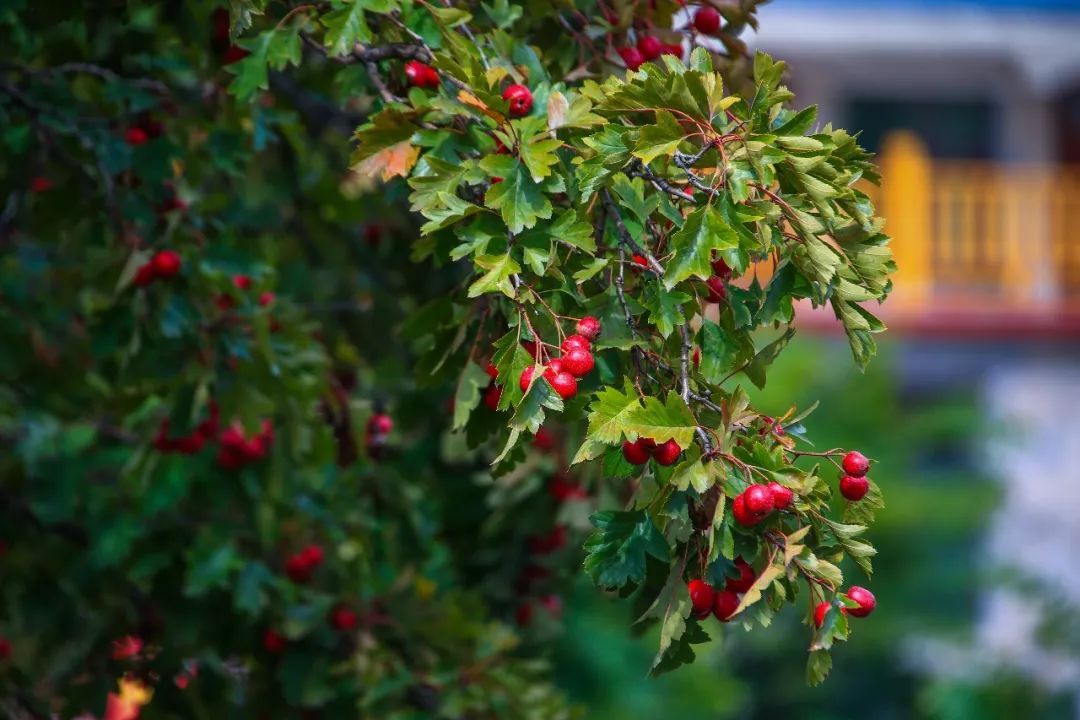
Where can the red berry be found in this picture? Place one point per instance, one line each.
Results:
(273, 641)
(575, 342)
(492, 396)
(707, 20)
(266, 298)
(135, 136)
(40, 184)
(725, 604)
(563, 488)
(126, 647)
(235, 53)
(866, 600)
(241, 282)
(554, 367)
(717, 290)
(720, 269)
(854, 488)
(543, 440)
(492, 371)
(343, 618)
(313, 555)
(856, 464)
(782, 496)
(631, 57)
(526, 378)
(701, 597)
(144, 275)
(520, 99)
(380, 423)
(820, 610)
(552, 603)
(758, 500)
(420, 75)
(564, 384)
(696, 357)
(588, 327)
(667, 453)
(578, 362)
(675, 49)
(635, 452)
(746, 577)
(741, 514)
(166, 263)
(639, 260)
(650, 47)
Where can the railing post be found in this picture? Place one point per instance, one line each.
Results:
(906, 193)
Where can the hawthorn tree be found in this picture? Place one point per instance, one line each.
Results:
(291, 432)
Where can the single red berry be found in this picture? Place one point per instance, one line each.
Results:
(675, 49)
(380, 423)
(496, 180)
(856, 464)
(565, 384)
(144, 275)
(40, 184)
(266, 298)
(166, 263)
(135, 136)
(746, 577)
(635, 452)
(720, 269)
(782, 496)
(667, 453)
(701, 597)
(650, 47)
(181, 680)
(743, 516)
(241, 282)
(717, 290)
(492, 396)
(695, 357)
(575, 342)
(273, 642)
(758, 499)
(725, 604)
(578, 362)
(820, 611)
(420, 75)
(588, 327)
(235, 53)
(639, 260)
(866, 600)
(854, 488)
(526, 378)
(492, 371)
(552, 603)
(343, 618)
(543, 440)
(520, 99)
(707, 20)
(631, 57)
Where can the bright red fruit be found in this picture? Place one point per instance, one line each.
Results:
(724, 605)
(675, 49)
(782, 496)
(565, 384)
(667, 453)
(492, 371)
(135, 136)
(520, 99)
(743, 516)
(273, 641)
(166, 263)
(640, 260)
(40, 184)
(578, 362)
(420, 75)
(554, 367)
(492, 396)
(649, 47)
(526, 378)
(588, 327)
(855, 464)
(635, 452)
(126, 647)
(866, 600)
(144, 275)
(380, 423)
(575, 342)
(696, 357)
(746, 577)
(717, 290)
(552, 603)
(720, 269)
(820, 610)
(266, 298)
(854, 488)
(707, 20)
(631, 57)
(758, 499)
(343, 618)
(701, 597)
(241, 282)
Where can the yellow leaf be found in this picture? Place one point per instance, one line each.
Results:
(396, 160)
(470, 99)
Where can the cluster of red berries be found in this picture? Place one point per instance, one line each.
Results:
(648, 48)
(235, 450)
(863, 598)
(301, 566)
(757, 502)
(162, 266)
(707, 20)
(717, 284)
(188, 444)
(705, 599)
(854, 484)
(343, 617)
(639, 451)
(421, 75)
(576, 360)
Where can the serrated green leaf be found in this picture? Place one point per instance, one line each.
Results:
(703, 233)
(497, 278)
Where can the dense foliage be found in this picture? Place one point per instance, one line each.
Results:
(277, 443)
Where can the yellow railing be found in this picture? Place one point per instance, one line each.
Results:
(979, 236)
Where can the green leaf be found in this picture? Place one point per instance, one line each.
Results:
(662, 138)
(665, 307)
(662, 421)
(345, 27)
(519, 199)
(609, 414)
(672, 606)
(570, 229)
(497, 278)
(818, 665)
(756, 369)
(471, 383)
(703, 233)
(616, 552)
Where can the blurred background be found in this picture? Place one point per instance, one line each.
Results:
(972, 408)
